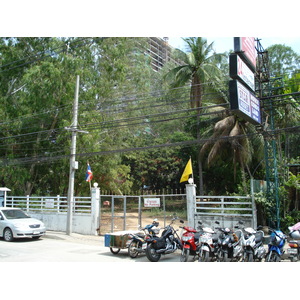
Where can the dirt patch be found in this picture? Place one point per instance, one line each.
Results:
(130, 223)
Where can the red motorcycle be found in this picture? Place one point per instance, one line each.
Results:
(190, 243)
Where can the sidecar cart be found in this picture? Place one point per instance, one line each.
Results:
(117, 240)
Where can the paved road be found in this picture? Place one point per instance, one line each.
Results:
(59, 247)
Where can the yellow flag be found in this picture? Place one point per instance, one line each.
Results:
(187, 171)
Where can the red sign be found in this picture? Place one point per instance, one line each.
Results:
(245, 46)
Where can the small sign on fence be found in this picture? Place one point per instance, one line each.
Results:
(49, 203)
(151, 202)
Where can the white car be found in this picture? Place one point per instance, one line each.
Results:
(15, 223)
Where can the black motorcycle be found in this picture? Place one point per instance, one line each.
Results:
(168, 242)
(225, 242)
(137, 242)
(230, 244)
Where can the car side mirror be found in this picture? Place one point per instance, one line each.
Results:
(1, 218)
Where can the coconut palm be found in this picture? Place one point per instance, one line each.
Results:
(230, 133)
(200, 65)
(201, 69)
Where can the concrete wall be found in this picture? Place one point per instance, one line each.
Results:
(58, 222)
(83, 223)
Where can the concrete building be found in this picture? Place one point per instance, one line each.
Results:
(160, 52)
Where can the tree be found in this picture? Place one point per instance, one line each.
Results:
(282, 59)
(199, 68)
(228, 142)
(36, 96)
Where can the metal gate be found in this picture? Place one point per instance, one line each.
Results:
(228, 210)
(118, 213)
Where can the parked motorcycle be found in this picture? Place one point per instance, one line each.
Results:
(138, 242)
(230, 245)
(252, 241)
(275, 246)
(208, 244)
(294, 250)
(190, 243)
(169, 242)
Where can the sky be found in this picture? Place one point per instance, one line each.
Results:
(223, 44)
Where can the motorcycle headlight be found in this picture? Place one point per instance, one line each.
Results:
(186, 238)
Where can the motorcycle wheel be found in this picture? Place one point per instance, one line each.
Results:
(131, 249)
(185, 253)
(248, 257)
(204, 256)
(225, 257)
(277, 257)
(269, 257)
(151, 254)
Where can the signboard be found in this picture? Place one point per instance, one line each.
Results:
(245, 46)
(245, 104)
(49, 203)
(151, 202)
(239, 70)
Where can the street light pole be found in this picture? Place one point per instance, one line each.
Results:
(73, 163)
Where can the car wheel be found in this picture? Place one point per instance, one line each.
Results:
(8, 235)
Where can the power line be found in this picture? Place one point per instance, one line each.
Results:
(41, 55)
(43, 159)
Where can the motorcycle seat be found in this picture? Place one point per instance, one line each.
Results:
(215, 237)
(238, 234)
(258, 237)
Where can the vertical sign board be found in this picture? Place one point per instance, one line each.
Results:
(245, 46)
(239, 70)
(245, 104)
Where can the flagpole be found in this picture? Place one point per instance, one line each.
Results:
(192, 169)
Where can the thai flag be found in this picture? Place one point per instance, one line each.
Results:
(89, 174)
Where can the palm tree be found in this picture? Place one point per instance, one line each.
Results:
(230, 133)
(200, 69)
(200, 65)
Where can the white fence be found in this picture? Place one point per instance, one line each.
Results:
(53, 212)
(228, 210)
(90, 217)
(56, 204)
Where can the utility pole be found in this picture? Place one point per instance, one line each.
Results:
(73, 163)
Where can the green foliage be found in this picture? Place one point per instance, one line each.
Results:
(282, 59)
(125, 105)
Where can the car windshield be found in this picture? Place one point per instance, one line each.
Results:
(14, 214)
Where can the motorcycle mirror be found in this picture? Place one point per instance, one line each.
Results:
(181, 221)
(217, 222)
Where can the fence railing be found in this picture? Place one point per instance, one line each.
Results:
(57, 204)
(224, 206)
